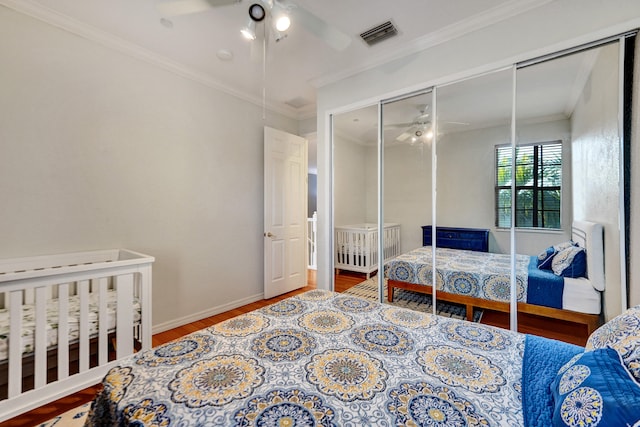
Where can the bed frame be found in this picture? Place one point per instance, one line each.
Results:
(357, 246)
(45, 374)
(587, 234)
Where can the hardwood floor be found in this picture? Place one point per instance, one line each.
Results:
(542, 326)
(347, 279)
(549, 328)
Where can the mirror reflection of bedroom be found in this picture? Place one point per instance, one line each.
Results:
(522, 223)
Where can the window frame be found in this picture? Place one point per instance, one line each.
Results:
(535, 188)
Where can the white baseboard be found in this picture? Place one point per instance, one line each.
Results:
(206, 313)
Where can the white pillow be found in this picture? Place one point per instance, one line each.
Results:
(570, 262)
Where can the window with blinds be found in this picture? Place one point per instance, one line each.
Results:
(538, 186)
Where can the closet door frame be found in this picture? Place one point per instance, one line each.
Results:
(621, 39)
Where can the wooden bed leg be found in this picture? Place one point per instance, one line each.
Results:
(390, 293)
(470, 313)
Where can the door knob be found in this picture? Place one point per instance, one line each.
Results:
(269, 234)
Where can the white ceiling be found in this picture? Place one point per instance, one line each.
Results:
(295, 66)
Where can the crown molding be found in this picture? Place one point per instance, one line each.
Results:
(459, 29)
(66, 23)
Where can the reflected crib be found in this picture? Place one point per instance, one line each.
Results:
(357, 246)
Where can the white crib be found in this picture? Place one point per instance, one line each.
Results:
(76, 314)
(357, 246)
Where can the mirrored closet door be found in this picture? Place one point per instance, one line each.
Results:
(407, 197)
(521, 169)
(355, 200)
(569, 182)
(473, 259)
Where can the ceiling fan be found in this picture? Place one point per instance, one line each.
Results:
(280, 13)
(420, 129)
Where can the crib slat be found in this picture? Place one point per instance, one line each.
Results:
(103, 349)
(83, 293)
(40, 338)
(124, 318)
(352, 248)
(15, 344)
(63, 331)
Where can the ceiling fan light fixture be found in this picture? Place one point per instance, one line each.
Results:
(283, 23)
(249, 30)
(278, 35)
(256, 12)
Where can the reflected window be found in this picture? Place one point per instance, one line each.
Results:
(538, 185)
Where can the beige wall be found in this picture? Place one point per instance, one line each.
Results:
(100, 150)
(407, 190)
(596, 159)
(351, 178)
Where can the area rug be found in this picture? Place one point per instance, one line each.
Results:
(72, 418)
(413, 300)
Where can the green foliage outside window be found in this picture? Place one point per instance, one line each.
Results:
(538, 187)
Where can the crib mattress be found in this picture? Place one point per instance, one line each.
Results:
(29, 318)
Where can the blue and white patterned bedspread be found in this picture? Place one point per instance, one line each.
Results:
(322, 359)
(483, 275)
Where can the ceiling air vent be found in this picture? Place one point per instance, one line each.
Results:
(379, 33)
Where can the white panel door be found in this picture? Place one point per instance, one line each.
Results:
(285, 212)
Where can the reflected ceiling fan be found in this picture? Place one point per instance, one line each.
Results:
(278, 13)
(420, 129)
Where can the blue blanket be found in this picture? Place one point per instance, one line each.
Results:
(542, 360)
(544, 287)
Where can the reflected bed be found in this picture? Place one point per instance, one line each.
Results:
(482, 280)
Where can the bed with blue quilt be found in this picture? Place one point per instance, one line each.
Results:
(328, 359)
(564, 282)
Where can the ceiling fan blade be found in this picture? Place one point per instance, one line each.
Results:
(422, 118)
(320, 28)
(398, 125)
(186, 7)
(403, 136)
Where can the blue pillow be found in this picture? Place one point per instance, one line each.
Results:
(622, 333)
(545, 257)
(570, 262)
(595, 389)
